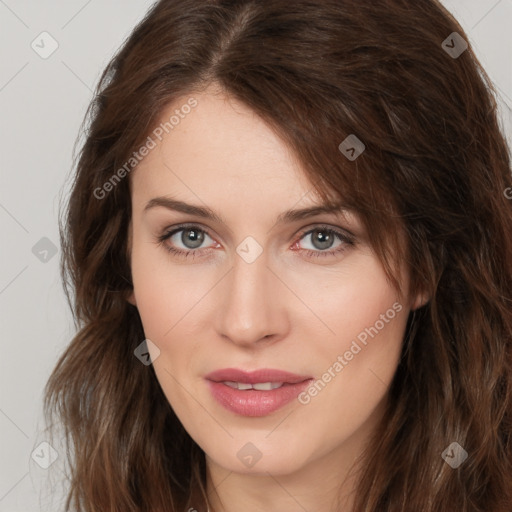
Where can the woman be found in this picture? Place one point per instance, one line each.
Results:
(288, 244)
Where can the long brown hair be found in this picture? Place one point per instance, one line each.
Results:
(435, 167)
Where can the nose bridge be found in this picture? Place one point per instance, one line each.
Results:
(248, 311)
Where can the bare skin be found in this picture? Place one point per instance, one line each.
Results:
(295, 307)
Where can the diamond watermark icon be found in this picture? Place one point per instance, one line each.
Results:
(454, 455)
(44, 455)
(147, 352)
(44, 250)
(454, 45)
(249, 250)
(352, 147)
(249, 455)
(44, 45)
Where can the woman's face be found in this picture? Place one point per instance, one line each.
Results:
(252, 288)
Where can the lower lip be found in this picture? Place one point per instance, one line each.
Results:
(253, 402)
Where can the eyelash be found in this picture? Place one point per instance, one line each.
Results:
(345, 238)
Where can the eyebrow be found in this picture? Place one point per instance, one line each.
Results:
(207, 213)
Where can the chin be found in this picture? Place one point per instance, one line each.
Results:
(258, 458)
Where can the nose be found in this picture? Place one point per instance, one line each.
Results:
(251, 307)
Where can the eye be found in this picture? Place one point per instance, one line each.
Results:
(192, 237)
(323, 238)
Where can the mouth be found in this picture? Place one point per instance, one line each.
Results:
(256, 393)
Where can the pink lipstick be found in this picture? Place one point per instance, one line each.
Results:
(256, 393)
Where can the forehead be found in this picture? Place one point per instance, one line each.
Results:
(219, 149)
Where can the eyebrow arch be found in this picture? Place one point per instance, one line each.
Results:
(207, 213)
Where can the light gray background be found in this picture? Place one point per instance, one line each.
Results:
(42, 104)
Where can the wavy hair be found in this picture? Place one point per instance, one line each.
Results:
(436, 167)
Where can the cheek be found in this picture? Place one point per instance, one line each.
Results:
(357, 357)
(165, 301)
(166, 293)
(356, 303)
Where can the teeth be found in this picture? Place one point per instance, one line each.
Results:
(267, 386)
(233, 385)
(260, 386)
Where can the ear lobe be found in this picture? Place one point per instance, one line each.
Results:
(420, 300)
(131, 299)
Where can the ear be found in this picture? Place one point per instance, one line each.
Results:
(131, 298)
(420, 300)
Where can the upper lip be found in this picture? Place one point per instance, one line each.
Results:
(257, 376)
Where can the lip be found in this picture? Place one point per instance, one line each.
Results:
(262, 375)
(252, 402)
